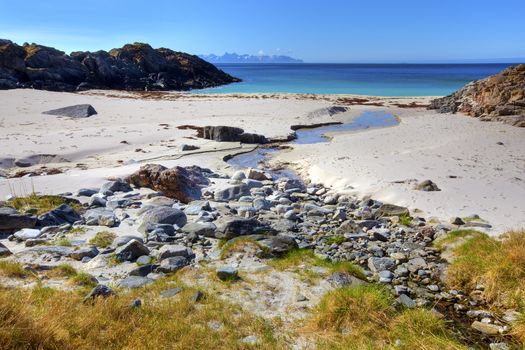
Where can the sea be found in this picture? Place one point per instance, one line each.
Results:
(360, 79)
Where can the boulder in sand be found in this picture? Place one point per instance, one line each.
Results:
(76, 111)
(182, 183)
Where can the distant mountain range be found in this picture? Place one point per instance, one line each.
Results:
(236, 58)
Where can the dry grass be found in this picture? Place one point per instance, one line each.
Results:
(41, 204)
(75, 278)
(13, 269)
(362, 318)
(103, 239)
(51, 319)
(499, 265)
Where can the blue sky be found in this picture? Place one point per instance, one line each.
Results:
(314, 30)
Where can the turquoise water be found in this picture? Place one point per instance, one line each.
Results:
(258, 157)
(361, 79)
(366, 120)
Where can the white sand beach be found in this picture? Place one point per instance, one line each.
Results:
(479, 166)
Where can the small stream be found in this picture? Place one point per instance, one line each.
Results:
(260, 156)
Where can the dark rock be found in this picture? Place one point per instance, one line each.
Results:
(133, 67)
(234, 227)
(227, 273)
(232, 192)
(222, 133)
(131, 251)
(380, 264)
(4, 251)
(231, 134)
(343, 279)
(391, 210)
(173, 264)
(79, 254)
(115, 186)
(164, 215)
(181, 183)
(195, 207)
(122, 240)
(206, 229)
(276, 245)
(87, 192)
(99, 291)
(11, 219)
(76, 111)
(64, 214)
(169, 251)
(143, 270)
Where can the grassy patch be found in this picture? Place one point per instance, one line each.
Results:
(77, 230)
(497, 264)
(405, 220)
(238, 245)
(362, 317)
(13, 269)
(54, 319)
(335, 239)
(103, 239)
(297, 259)
(62, 241)
(456, 236)
(41, 204)
(74, 277)
(473, 218)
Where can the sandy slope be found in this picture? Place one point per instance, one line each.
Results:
(489, 177)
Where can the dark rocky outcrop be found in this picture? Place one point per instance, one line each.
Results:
(181, 183)
(76, 111)
(231, 134)
(11, 220)
(500, 97)
(133, 67)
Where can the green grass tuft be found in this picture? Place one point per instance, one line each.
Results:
(41, 204)
(103, 239)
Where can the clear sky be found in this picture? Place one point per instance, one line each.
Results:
(313, 30)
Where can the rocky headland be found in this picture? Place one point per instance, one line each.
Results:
(500, 97)
(135, 66)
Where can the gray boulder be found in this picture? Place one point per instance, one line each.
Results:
(234, 227)
(195, 207)
(64, 214)
(206, 229)
(173, 250)
(115, 186)
(227, 273)
(101, 217)
(132, 282)
(76, 111)
(391, 210)
(27, 233)
(11, 219)
(81, 253)
(380, 264)
(131, 251)
(232, 192)
(164, 215)
(173, 264)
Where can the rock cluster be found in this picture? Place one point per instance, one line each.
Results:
(133, 67)
(499, 97)
(164, 235)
